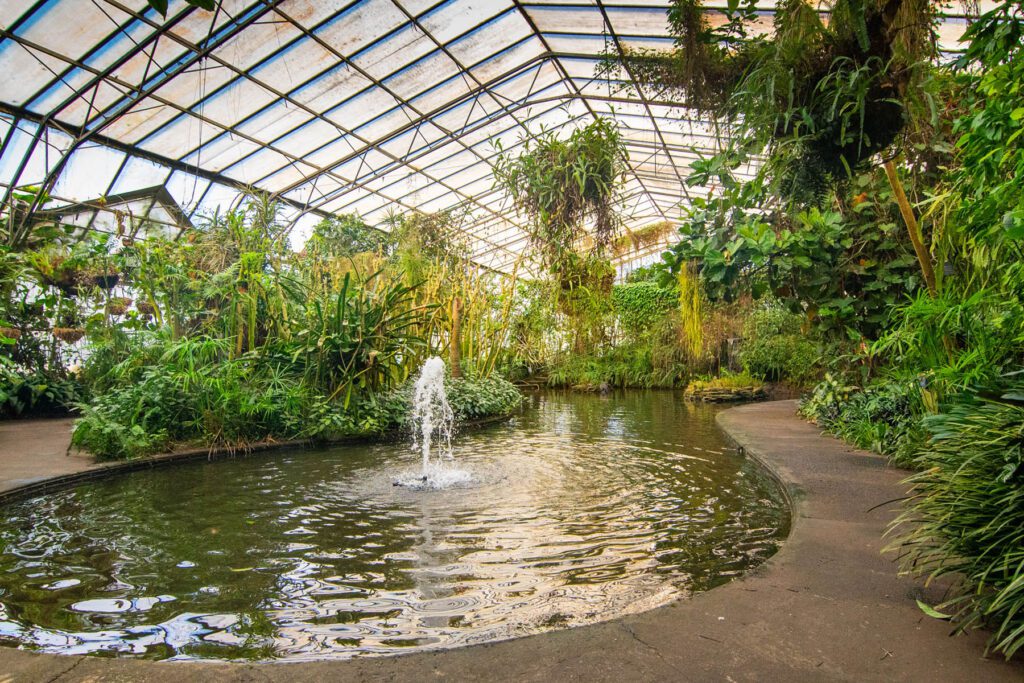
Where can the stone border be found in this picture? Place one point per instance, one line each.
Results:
(827, 606)
(112, 468)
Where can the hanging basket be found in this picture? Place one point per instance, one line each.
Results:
(106, 280)
(11, 333)
(68, 335)
(145, 308)
(118, 305)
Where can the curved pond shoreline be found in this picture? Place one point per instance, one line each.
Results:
(827, 606)
(35, 455)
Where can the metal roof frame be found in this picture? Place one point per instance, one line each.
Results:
(337, 105)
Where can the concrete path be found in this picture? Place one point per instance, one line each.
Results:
(827, 607)
(32, 451)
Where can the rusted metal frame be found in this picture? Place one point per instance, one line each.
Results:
(163, 30)
(83, 134)
(438, 111)
(429, 148)
(131, 150)
(485, 159)
(113, 181)
(561, 99)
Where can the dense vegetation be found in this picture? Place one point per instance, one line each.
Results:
(226, 336)
(874, 260)
(886, 217)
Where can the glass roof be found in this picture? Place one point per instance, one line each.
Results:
(368, 106)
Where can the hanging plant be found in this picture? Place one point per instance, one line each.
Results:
(106, 278)
(11, 333)
(69, 335)
(562, 185)
(145, 308)
(118, 305)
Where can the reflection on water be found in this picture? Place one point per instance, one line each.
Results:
(584, 508)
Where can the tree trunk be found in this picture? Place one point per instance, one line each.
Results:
(923, 257)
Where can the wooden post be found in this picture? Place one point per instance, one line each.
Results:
(455, 343)
(923, 257)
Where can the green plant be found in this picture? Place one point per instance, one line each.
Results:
(560, 183)
(775, 347)
(37, 392)
(965, 517)
(639, 306)
(726, 381)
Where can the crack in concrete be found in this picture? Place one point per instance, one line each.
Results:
(657, 653)
(65, 672)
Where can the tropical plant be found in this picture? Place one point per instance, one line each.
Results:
(966, 515)
(776, 347)
(558, 184)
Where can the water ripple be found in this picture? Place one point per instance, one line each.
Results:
(584, 509)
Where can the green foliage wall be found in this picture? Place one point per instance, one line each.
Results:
(639, 307)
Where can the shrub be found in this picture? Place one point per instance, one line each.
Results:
(885, 418)
(23, 392)
(966, 516)
(775, 349)
(483, 397)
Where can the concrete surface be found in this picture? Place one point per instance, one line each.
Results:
(827, 607)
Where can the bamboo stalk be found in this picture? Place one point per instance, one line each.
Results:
(923, 257)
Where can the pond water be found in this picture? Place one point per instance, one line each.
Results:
(581, 509)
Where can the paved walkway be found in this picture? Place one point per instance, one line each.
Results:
(827, 607)
(32, 451)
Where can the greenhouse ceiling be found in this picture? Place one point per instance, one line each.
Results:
(372, 107)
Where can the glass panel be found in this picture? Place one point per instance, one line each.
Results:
(458, 16)
(298, 64)
(311, 136)
(89, 172)
(360, 26)
(504, 62)
(639, 21)
(72, 28)
(218, 197)
(334, 151)
(257, 41)
(277, 120)
(236, 102)
(139, 174)
(186, 189)
(427, 73)
(394, 53)
(362, 108)
(444, 94)
(263, 163)
(46, 154)
(16, 149)
(183, 135)
(302, 230)
(558, 19)
(88, 107)
(507, 29)
(385, 125)
(24, 71)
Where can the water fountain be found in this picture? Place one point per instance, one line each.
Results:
(433, 423)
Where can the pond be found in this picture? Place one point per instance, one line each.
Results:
(580, 509)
